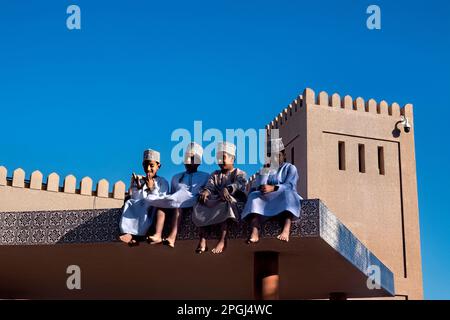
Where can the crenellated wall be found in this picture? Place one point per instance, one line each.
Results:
(335, 142)
(355, 155)
(36, 193)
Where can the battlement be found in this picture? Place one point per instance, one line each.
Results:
(17, 180)
(309, 98)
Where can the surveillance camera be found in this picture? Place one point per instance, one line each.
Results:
(406, 124)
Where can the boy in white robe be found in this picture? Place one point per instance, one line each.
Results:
(222, 199)
(191, 181)
(275, 194)
(138, 212)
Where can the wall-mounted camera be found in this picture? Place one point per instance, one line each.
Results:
(405, 123)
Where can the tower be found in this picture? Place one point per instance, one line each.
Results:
(357, 158)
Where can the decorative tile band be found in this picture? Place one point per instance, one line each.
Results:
(85, 226)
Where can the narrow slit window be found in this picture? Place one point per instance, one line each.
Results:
(362, 158)
(341, 155)
(292, 156)
(381, 160)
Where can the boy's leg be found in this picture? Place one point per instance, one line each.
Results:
(255, 224)
(220, 246)
(174, 228)
(202, 243)
(160, 217)
(284, 235)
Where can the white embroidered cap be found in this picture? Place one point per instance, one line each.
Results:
(275, 145)
(150, 155)
(227, 147)
(193, 150)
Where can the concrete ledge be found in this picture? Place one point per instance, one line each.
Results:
(322, 257)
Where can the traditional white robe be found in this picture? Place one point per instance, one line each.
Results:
(190, 183)
(216, 210)
(138, 211)
(273, 203)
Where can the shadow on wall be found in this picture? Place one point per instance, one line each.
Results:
(92, 226)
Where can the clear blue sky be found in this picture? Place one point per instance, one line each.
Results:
(88, 102)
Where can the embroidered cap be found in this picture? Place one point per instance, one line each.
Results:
(150, 155)
(193, 150)
(275, 145)
(227, 147)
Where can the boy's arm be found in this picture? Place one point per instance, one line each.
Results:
(210, 186)
(290, 181)
(239, 184)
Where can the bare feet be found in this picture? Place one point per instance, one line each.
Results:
(284, 236)
(220, 247)
(254, 237)
(201, 248)
(154, 239)
(128, 239)
(169, 242)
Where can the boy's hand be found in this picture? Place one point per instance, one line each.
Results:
(225, 195)
(204, 195)
(266, 188)
(150, 182)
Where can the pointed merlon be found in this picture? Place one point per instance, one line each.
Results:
(309, 97)
(36, 180)
(394, 110)
(18, 178)
(86, 186)
(383, 108)
(103, 188)
(3, 173)
(347, 102)
(53, 182)
(371, 106)
(70, 184)
(407, 111)
(336, 100)
(358, 104)
(323, 99)
(119, 190)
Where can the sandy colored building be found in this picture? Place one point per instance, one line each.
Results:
(353, 155)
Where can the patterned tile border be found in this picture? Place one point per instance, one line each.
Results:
(84, 226)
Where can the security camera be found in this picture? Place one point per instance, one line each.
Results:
(406, 124)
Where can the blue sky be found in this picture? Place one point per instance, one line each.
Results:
(88, 101)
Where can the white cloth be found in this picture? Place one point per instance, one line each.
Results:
(138, 211)
(285, 198)
(190, 182)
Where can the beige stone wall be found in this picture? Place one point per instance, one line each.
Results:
(380, 209)
(35, 193)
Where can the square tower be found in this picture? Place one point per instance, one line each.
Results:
(357, 158)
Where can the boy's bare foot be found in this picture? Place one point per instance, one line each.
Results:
(284, 236)
(154, 240)
(254, 237)
(126, 238)
(220, 247)
(169, 242)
